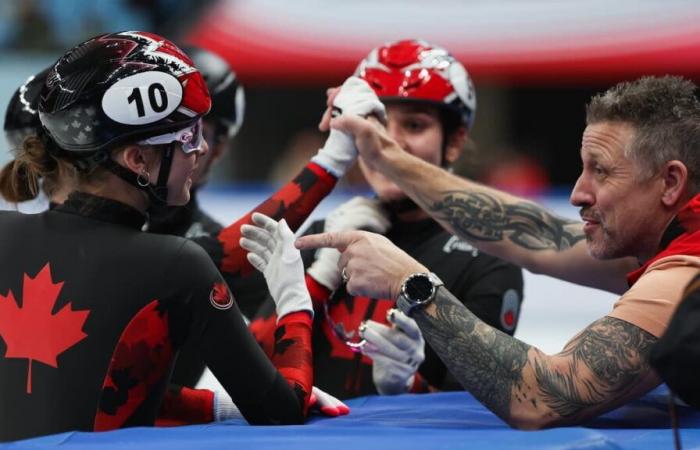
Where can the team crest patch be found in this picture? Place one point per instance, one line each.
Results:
(220, 296)
(510, 309)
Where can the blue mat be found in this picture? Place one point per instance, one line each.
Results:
(431, 421)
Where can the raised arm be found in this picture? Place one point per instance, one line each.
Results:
(497, 223)
(295, 201)
(601, 368)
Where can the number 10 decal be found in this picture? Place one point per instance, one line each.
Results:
(142, 98)
(158, 103)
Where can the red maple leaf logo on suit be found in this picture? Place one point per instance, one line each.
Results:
(220, 297)
(32, 331)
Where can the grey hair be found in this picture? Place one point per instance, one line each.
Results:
(665, 115)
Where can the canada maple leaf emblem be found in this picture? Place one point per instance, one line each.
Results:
(32, 331)
(220, 297)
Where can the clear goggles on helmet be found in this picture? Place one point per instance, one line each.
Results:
(190, 139)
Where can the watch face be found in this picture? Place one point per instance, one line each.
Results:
(419, 288)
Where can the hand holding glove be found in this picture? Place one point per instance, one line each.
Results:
(272, 252)
(396, 352)
(359, 213)
(355, 98)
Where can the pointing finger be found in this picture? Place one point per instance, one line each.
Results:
(338, 240)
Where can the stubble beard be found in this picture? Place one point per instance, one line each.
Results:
(604, 247)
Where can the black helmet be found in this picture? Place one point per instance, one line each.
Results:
(119, 88)
(227, 97)
(21, 117)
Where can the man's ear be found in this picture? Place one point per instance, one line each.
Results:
(675, 180)
(455, 145)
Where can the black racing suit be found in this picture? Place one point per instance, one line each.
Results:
(490, 287)
(93, 312)
(294, 202)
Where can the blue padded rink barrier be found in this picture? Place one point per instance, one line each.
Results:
(553, 312)
(453, 420)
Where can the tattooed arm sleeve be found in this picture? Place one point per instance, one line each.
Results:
(512, 228)
(601, 368)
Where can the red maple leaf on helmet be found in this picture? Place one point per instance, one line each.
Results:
(32, 331)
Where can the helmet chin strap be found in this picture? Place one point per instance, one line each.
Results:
(157, 194)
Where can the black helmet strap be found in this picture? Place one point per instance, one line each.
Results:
(158, 193)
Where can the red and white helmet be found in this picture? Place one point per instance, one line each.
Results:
(416, 70)
(118, 88)
(122, 88)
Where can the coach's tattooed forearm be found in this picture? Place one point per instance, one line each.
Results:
(487, 362)
(480, 216)
(600, 366)
(614, 351)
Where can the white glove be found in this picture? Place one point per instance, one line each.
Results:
(359, 213)
(224, 408)
(327, 404)
(338, 154)
(272, 252)
(396, 352)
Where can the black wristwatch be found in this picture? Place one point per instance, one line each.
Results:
(417, 290)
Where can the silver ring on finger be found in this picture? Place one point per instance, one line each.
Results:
(344, 275)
